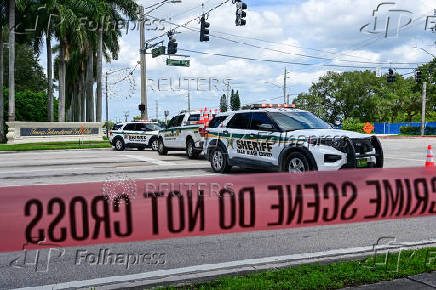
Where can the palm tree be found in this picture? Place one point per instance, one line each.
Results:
(87, 53)
(110, 10)
(70, 33)
(11, 111)
(3, 10)
(45, 29)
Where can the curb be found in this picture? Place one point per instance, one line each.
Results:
(404, 137)
(54, 150)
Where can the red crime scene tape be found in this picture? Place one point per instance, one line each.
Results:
(80, 214)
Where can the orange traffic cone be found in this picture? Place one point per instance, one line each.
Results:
(429, 162)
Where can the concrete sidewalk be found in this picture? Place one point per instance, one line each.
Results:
(422, 281)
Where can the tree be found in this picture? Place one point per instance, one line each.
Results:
(31, 106)
(70, 33)
(11, 111)
(110, 9)
(361, 96)
(85, 56)
(223, 103)
(45, 9)
(29, 74)
(3, 22)
(235, 102)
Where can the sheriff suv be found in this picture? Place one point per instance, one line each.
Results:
(184, 132)
(286, 139)
(138, 135)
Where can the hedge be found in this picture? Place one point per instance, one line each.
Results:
(408, 130)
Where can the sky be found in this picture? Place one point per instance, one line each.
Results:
(308, 38)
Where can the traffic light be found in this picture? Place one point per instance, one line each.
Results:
(391, 76)
(418, 75)
(172, 44)
(240, 13)
(204, 31)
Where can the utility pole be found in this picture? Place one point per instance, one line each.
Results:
(424, 97)
(157, 110)
(284, 87)
(144, 114)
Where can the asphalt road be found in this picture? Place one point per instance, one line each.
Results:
(78, 166)
(189, 258)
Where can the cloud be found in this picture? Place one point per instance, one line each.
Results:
(319, 28)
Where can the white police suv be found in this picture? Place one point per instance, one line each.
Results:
(286, 139)
(138, 135)
(183, 132)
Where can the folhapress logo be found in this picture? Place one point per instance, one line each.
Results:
(105, 257)
(38, 260)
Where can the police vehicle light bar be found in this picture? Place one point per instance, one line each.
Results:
(273, 106)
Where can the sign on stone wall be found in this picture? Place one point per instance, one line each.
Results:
(26, 132)
(35, 132)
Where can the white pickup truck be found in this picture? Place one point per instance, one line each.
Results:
(185, 132)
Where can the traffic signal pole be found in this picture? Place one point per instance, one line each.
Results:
(143, 61)
(424, 97)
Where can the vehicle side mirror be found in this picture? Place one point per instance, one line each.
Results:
(338, 123)
(266, 126)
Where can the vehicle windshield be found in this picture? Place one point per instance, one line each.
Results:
(291, 121)
(117, 126)
(154, 126)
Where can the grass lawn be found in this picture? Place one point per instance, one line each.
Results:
(56, 145)
(331, 276)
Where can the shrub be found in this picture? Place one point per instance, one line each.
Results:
(353, 125)
(408, 130)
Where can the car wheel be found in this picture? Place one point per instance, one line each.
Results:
(190, 150)
(154, 145)
(296, 163)
(161, 149)
(218, 161)
(119, 145)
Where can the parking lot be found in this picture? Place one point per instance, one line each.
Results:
(77, 166)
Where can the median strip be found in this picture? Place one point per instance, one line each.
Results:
(55, 146)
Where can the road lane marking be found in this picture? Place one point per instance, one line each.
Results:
(42, 170)
(208, 269)
(408, 159)
(123, 172)
(150, 160)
